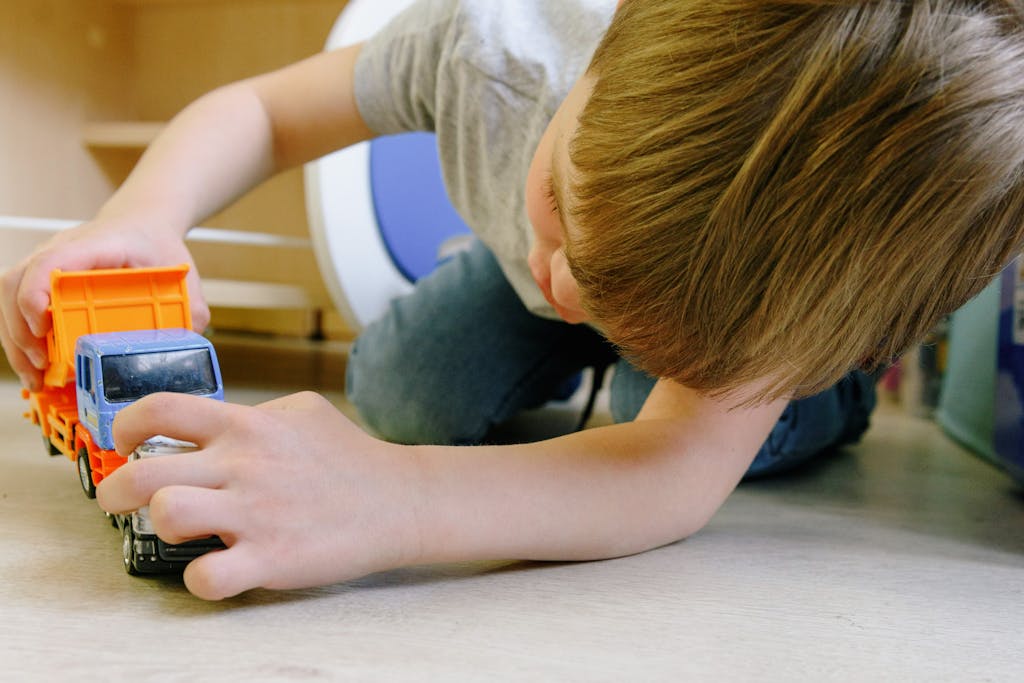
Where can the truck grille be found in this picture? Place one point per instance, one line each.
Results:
(185, 552)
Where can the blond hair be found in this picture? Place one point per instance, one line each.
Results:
(783, 190)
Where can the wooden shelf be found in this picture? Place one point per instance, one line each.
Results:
(121, 134)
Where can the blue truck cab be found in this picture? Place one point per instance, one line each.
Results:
(115, 369)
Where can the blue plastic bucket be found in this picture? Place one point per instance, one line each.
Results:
(1009, 397)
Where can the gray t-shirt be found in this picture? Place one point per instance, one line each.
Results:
(486, 76)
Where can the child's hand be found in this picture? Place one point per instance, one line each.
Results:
(299, 494)
(108, 243)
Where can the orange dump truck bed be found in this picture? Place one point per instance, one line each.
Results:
(112, 300)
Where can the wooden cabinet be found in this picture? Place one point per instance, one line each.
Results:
(87, 83)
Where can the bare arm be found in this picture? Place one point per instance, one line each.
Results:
(599, 493)
(236, 136)
(303, 497)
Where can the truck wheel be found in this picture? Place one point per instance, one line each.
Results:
(50, 448)
(128, 548)
(85, 473)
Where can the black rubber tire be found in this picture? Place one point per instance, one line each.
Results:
(50, 448)
(128, 548)
(85, 474)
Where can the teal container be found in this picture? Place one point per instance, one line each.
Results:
(967, 402)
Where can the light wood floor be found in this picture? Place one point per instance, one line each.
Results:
(900, 559)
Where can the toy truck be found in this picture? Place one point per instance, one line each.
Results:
(117, 335)
(142, 550)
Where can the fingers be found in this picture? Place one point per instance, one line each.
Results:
(31, 377)
(24, 298)
(180, 416)
(200, 311)
(225, 573)
(33, 292)
(25, 351)
(133, 485)
(111, 243)
(184, 513)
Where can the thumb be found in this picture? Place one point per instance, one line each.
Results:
(197, 301)
(224, 573)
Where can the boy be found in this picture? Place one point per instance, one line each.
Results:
(750, 199)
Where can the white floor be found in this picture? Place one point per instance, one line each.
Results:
(899, 559)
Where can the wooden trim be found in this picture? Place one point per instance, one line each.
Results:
(255, 295)
(120, 134)
(44, 227)
(21, 234)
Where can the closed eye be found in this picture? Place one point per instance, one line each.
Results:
(548, 188)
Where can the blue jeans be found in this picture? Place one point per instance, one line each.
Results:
(461, 355)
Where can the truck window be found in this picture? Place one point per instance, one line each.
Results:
(87, 382)
(129, 377)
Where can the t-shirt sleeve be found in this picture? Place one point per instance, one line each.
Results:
(397, 73)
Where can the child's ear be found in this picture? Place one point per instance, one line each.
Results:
(566, 291)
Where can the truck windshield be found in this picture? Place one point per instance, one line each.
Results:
(131, 376)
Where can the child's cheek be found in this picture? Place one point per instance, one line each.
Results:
(564, 290)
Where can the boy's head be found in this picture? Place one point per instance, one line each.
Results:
(778, 191)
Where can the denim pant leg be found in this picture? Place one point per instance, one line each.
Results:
(460, 355)
(806, 428)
